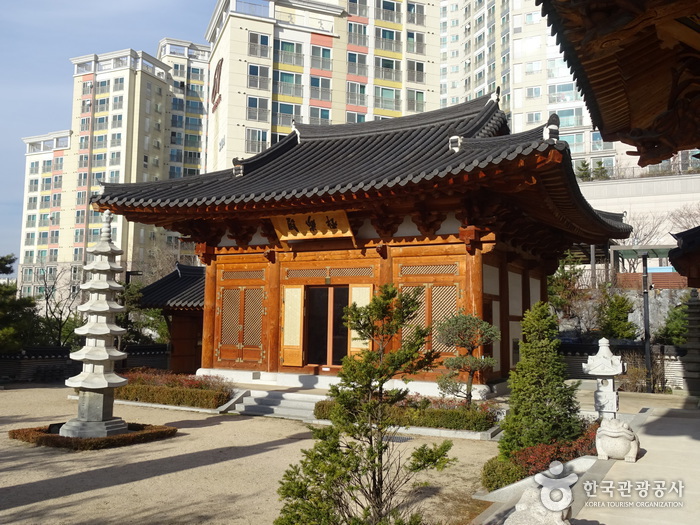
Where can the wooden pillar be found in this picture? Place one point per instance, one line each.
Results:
(210, 286)
(474, 286)
(271, 320)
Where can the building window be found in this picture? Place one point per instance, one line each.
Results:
(387, 98)
(387, 69)
(258, 76)
(31, 221)
(575, 140)
(415, 13)
(116, 121)
(29, 238)
(533, 92)
(53, 239)
(255, 140)
(289, 53)
(597, 143)
(534, 117)
(415, 42)
(356, 94)
(80, 198)
(352, 117)
(387, 39)
(563, 93)
(556, 67)
(43, 238)
(80, 217)
(321, 58)
(283, 114)
(357, 64)
(357, 7)
(258, 45)
(415, 100)
(321, 88)
(56, 200)
(102, 104)
(571, 117)
(32, 203)
(416, 71)
(286, 83)
(118, 102)
(533, 68)
(45, 201)
(357, 34)
(388, 11)
(319, 116)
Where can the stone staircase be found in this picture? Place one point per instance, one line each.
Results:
(277, 403)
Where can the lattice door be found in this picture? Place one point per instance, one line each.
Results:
(240, 316)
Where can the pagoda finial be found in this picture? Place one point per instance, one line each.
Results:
(551, 130)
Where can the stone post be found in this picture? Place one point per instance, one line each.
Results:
(97, 381)
(691, 360)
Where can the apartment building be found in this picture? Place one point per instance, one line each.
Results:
(121, 120)
(277, 63)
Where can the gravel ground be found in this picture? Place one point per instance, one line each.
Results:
(218, 468)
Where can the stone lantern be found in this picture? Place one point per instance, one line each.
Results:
(97, 381)
(605, 366)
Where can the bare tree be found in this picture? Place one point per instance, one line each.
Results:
(647, 229)
(685, 217)
(59, 299)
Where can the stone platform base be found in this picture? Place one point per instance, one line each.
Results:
(89, 429)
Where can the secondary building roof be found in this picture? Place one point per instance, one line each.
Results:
(182, 289)
(638, 67)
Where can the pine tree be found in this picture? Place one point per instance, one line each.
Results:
(600, 172)
(543, 408)
(354, 474)
(468, 332)
(612, 313)
(583, 171)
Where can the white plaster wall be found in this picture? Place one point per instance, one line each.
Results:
(491, 280)
(515, 293)
(534, 291)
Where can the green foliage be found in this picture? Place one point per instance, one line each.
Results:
(583, 171)
(600, 172)
(498, 472)
(563, 287)
(354, 474)
(477, 418)
(19, 321)
(469, 332)
(166, 388)
(543, 408)
(675, 328)
(138, 433)
(611, 315)
(143, 325)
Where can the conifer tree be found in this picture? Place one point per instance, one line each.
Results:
(354, 474)
(543, 408)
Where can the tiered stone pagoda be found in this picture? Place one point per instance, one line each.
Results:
(97, 381)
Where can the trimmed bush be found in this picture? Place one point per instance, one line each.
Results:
(477, 418)
(177, 396)
(498, 472)
(138, 433)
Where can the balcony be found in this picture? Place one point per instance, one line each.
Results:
(570, 122)
(322, 63)
(358, 39)
(415, 18)
(385, 73)
(388, 44)
(318, 121)
(258, 50)
(416, 76)
(287, 88)
(387, 15)
(284, 119)
(319, 93)
(416, 105)
(357, 69)
(255, 146)
(257, 82)
(289, 57)
(415, 47)
(258, 114)
(357, 9)
(357, 99)
(393, 104)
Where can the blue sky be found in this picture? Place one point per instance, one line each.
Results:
(39, 38)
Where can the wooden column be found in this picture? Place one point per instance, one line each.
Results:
(210, 286)
(271, 326)
(474, 286)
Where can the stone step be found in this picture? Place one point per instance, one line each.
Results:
(291, 405)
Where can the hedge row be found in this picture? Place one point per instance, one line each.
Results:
(461, 418)
(138, 433)
(168, 395)
(499, 472)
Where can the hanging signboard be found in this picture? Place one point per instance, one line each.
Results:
(304, 226)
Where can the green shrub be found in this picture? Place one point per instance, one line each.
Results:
(138, 433)
(675, 328)
(177, 396)
(543, 408)
(612, 314)
(498, 472)
(477, 418)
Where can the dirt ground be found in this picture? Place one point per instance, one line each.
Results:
(218, 469)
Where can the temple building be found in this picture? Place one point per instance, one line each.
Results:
(448, 201)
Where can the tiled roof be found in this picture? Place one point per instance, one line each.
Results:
(182, 289)
(327, 160)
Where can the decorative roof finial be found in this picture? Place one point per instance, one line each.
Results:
(496, 95)
(551, 130)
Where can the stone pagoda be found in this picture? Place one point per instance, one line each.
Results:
(97, 381)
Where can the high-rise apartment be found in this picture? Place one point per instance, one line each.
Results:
(277, 63)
